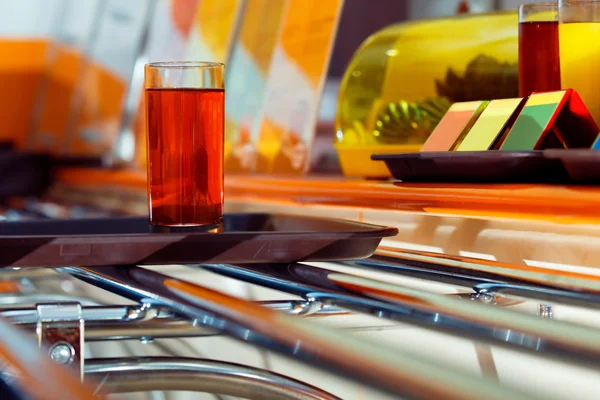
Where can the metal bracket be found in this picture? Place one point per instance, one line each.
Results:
(60, 329)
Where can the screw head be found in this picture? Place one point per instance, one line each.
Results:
(146, 340)
(484, 297)
(487, 298)
(545, 311)
(62, 353)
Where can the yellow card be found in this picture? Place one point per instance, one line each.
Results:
(294, 85)
(489, 125)
(247, 73)
(194, 30)
(214, 30)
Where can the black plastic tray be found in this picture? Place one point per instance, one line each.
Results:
(242, 238)
(583, 166)
(475, 166)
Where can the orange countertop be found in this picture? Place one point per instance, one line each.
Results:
(537, 227)
(557, 203)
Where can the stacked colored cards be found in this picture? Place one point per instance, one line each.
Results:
(541, 121)
(455, 124)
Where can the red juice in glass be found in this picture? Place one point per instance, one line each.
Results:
(185, 150)
(539, 62)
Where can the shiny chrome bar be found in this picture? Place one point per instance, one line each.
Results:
(30, 374)
(153, 329)
(27, 273)
(304, 308)
(465, 319)
(386, 369)
(577, 289)
(127, 375)
(12, 300)
(92, 314)
(150, 321)
(119, 323)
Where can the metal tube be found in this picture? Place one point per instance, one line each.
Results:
(387, 369)
(92, 314)
(119, 322)
(570, 288)
(144, 321)
(154, 329)
(127, 375)
(8, 273)
(130, 313)
(304, 308)
(12, 300)
(128, 322)
(493, 325)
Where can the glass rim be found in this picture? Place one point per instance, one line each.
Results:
(539, 12)
(540, 5)
(577, 2)
(185, 64)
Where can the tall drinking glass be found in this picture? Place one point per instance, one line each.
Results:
(539, 63)
(579, 44)
(185, 115)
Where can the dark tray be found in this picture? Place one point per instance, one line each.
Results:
(475, 166)
(242, 238)
(583, 166)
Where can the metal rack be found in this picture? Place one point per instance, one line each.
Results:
(166, 307)
(44, 316)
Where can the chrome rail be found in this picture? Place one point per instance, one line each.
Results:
(393, 371)
(484, 275)
(91, 314)
(125, 322)
(127, 375)
(152, 329)
(29, 273)
(466, 319)
(118, 322)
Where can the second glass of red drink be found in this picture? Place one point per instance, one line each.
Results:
(185, 123)
(539, 62)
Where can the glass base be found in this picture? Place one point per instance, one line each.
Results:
(216, 226)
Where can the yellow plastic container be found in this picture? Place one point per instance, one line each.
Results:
(356, 160)
(403, 79)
